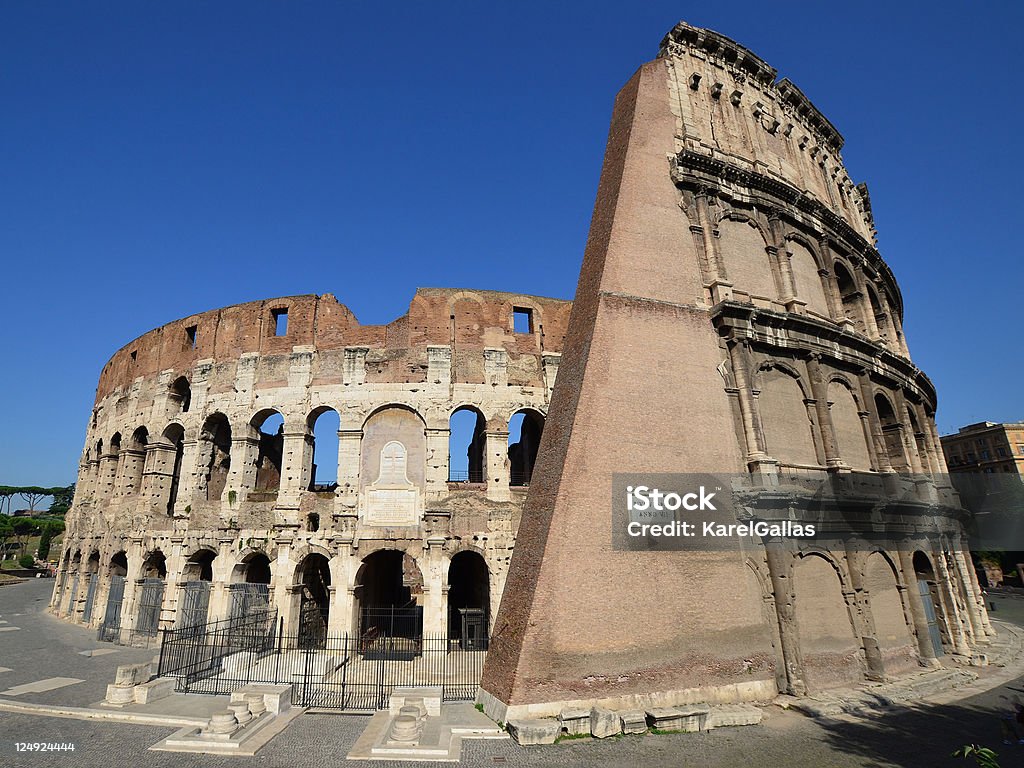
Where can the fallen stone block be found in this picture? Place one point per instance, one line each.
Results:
(733, 714)
(276, 698)
(604, 723)
(575, 721)
(154, 690)
(634, 721)
(527, 732)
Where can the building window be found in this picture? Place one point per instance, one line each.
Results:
(985, 454)
(190, 336)
(280, 318)
(1001, 451)
(522, 320)
(1020, 449)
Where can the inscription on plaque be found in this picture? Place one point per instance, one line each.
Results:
(392, 499)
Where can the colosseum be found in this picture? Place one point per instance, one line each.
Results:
(733, 315)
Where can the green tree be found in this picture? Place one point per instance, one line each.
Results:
(44, 541)
(6, 533)
(62, 498)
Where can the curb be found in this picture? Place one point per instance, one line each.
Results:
(82, 713)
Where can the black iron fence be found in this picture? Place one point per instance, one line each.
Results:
(345, 672)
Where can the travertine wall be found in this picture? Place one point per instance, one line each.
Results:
(175, 465)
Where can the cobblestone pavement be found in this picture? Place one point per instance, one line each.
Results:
(922, 736)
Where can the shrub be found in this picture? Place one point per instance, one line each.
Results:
(26, 561)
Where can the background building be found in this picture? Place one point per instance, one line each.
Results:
(986, 447)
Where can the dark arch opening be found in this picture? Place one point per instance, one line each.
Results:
(250, 586)
(215, 454)
(314, 574)
(467, 446)
(524, 432)
(270, 430)
(175, 435)
(468, 600)
(386, 587)
(180, 395)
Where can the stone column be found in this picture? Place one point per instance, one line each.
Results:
(349, 448)
(917, 610)
(860, 599)
(819, 387)
(436, 485)
(976, 613)
(283, 588)
(780, 570)
(954, 621)
(242, 473)
(867, 310)
(294, 474)
(136, 553)
(718, 277)
(175, 564)
(186, 477)
(433, 566)
(496, 465)
(344, 567)
(755, 448)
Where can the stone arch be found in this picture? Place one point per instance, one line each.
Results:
(267, 427)
(850, 297)
(387, 591)
(321, 459)
(744, 249)
(249, 588)
(467, 445)
(522, 303)
(828, 640)
(896, 642)
(214, 457)
(469, 602)
(179, 396)
(785, 419)
(807, 268)
(847, 424)
(891, 432)
(522, 452)
(394, 423)
(312, 577)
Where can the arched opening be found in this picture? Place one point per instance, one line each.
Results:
(747, 263)
(215, 455)
(174, 435)
(117, 570)
(92, 570)
(892, 433)
(323, 425)
(468, 600)
(314, 576)
(830, 645)
(524, 432)
(179, 398)
(850, 297)
(194, 600)
(895, 641)
(848, 426)
(918, 442)
(785, 421)
(928, 589)
(467, 446)
(250, 586)
(115, 444)
(807, 276)
(387, 584)
(135, 462)
(269, 426)
(151, 594)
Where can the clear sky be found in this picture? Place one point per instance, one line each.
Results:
(159, 159)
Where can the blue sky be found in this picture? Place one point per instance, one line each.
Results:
(163, 159)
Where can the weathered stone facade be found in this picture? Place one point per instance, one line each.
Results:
(732, 316)
(177, 482)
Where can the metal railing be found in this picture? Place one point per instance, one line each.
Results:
(345, 672)
(466, 476)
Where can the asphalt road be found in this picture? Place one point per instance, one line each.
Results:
(922, 736)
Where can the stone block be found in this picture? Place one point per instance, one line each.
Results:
(733, 714)
(119, 695)
(665, 719)
(693, 717)
(276, 698)
(634, 721)
(428, 697)
(154, 690)
(604, 723)
(132, 674)
(575, 721)
(527, 732)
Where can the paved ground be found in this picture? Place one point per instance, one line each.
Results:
(43, 647)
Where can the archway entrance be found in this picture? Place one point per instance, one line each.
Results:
(928, 588)
(468, 601)
(110, 628)
(151, 594)
(387, 584)
(194, 599)
(314, 574)
(250, 586)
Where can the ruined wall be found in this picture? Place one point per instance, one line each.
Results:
(175, 461)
